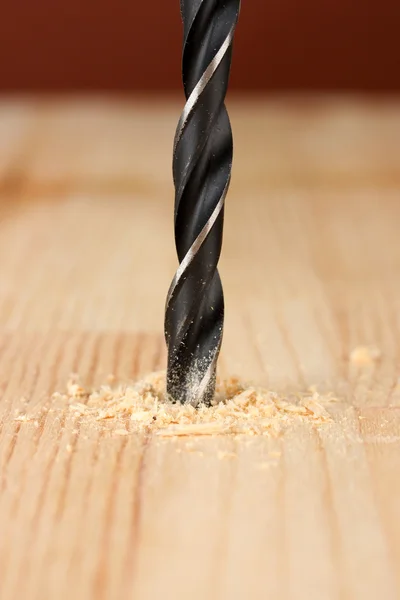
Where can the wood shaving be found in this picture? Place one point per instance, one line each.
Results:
(121, 432)
(74, 389)
(237, 409)
(312, 405)
(23, 418)
(365, 355)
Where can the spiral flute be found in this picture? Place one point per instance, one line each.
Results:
(202, 162)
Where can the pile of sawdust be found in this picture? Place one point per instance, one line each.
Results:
(237, 409)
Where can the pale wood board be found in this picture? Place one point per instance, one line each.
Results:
(311, 270)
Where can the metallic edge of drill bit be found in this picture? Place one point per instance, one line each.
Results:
(202, 164)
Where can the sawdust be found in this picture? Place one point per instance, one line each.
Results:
(23, 418)
(121, 432)
(365, 355)
(238, 409)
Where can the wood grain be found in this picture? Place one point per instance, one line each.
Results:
(310, 269)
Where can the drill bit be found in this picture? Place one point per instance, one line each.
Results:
(202, 162)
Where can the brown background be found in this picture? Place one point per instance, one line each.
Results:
(136, 45)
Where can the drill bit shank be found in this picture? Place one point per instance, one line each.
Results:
(202, 161)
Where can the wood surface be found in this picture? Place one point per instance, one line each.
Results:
(311, 270)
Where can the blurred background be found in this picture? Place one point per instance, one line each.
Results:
(90, 96)
(127, 45)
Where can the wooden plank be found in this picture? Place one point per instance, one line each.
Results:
(310, 273)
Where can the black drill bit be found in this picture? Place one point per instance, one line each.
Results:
(202, 162)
